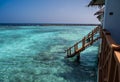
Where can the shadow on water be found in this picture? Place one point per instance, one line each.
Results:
(82, 71)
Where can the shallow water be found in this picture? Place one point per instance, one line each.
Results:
(35, 54)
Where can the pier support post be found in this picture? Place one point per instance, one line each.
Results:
(78, 58)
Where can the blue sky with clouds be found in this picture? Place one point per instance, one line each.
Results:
(47, 11)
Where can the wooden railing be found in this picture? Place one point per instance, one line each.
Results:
(109, 59)
(84, 43)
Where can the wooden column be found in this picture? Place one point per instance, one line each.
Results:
(78, 57)
(75, 51)
(83, 42)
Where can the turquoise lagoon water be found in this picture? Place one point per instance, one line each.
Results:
(35, 54)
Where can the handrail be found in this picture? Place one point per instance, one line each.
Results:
(95, 30)
(109, 59)
(78, 42)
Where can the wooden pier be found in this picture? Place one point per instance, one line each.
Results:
(109, 54)
(84, 43)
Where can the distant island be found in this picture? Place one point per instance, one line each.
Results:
(45, 24)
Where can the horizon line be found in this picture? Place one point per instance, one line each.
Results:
(48, 24)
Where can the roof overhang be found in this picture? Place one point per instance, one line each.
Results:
(96, 3)
(101, 11)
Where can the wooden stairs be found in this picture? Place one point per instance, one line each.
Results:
(88, 40)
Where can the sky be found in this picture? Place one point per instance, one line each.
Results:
(47, 11)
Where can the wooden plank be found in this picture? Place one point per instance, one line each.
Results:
(117, 57)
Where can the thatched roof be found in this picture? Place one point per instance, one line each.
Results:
(99, 17)
(96, 3)
(101, 11)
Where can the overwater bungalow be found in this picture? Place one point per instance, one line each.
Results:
(34, 52)
(109, 52)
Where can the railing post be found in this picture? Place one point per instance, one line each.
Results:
(75, 47)
(92, 36)
(83, 42)
(68, 51)
(78, 54)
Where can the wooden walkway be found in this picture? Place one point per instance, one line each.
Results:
(84, 43)
(108, 58)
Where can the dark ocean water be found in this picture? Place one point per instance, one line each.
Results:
(34, 54)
